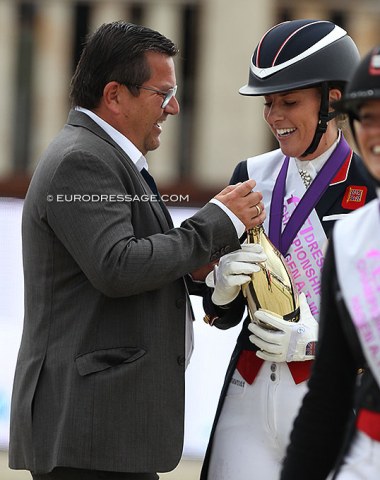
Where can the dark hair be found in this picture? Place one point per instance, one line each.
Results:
(115, 52)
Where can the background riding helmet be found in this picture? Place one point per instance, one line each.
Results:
(301, 54)
(363, 86)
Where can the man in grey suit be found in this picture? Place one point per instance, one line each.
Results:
(99, 382)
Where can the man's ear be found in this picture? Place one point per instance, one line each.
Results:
(111, 96)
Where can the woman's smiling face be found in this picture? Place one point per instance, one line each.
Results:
(368, 136)
(293, 117)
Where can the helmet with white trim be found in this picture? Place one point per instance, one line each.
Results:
(303, 54)
(299, 54)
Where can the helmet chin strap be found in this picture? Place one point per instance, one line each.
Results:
(324, 118)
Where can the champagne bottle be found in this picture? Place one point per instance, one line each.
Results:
(272, 288)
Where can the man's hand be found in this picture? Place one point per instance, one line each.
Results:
(234, 270)
(244, 203)
(290, 342)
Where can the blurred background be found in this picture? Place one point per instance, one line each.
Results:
(40, 43)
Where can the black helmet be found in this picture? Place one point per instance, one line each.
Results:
(364, 84)
(301, 54)
(298, 54)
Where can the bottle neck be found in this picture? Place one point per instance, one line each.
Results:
(254, 234)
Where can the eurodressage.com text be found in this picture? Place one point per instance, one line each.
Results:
(97, 198)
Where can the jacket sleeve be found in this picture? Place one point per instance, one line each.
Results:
(119, 245)
(240, 174)
(230, 315)
(224, 317)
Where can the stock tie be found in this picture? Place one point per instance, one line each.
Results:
(306, 178)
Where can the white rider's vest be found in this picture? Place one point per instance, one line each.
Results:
(305, 256)
(357, 254)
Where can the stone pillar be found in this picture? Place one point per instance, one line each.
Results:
(52, 70)
(230, 127)
(311, 10)
(106, 11)
(165, 17)
(363, 27)
(8, 55)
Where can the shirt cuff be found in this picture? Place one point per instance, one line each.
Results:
(238, 224)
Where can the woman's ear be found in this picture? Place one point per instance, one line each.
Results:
(334, 95)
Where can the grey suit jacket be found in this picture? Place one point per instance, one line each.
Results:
(99, 382)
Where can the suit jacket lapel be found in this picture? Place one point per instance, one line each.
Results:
(161, 207)
(80, 119)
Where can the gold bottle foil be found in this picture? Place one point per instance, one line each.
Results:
(271, 288)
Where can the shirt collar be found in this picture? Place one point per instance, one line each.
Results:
(124, 143)
(315, 165)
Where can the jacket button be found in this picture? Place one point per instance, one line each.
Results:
(273, 377)
(181, 360)
(273, 367)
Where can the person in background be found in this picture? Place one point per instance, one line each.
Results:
(349, 336)
(99, 383)
(300, 68)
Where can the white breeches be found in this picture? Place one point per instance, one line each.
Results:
(255, 424)
(362, 461)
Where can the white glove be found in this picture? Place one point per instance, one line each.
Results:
(291, 342)
(233, 270)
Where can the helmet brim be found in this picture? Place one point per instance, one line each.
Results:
(350, 103)
(265, 89)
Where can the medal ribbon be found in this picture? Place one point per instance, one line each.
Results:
(312, 196)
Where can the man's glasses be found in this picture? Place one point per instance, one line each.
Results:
(167, 96)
